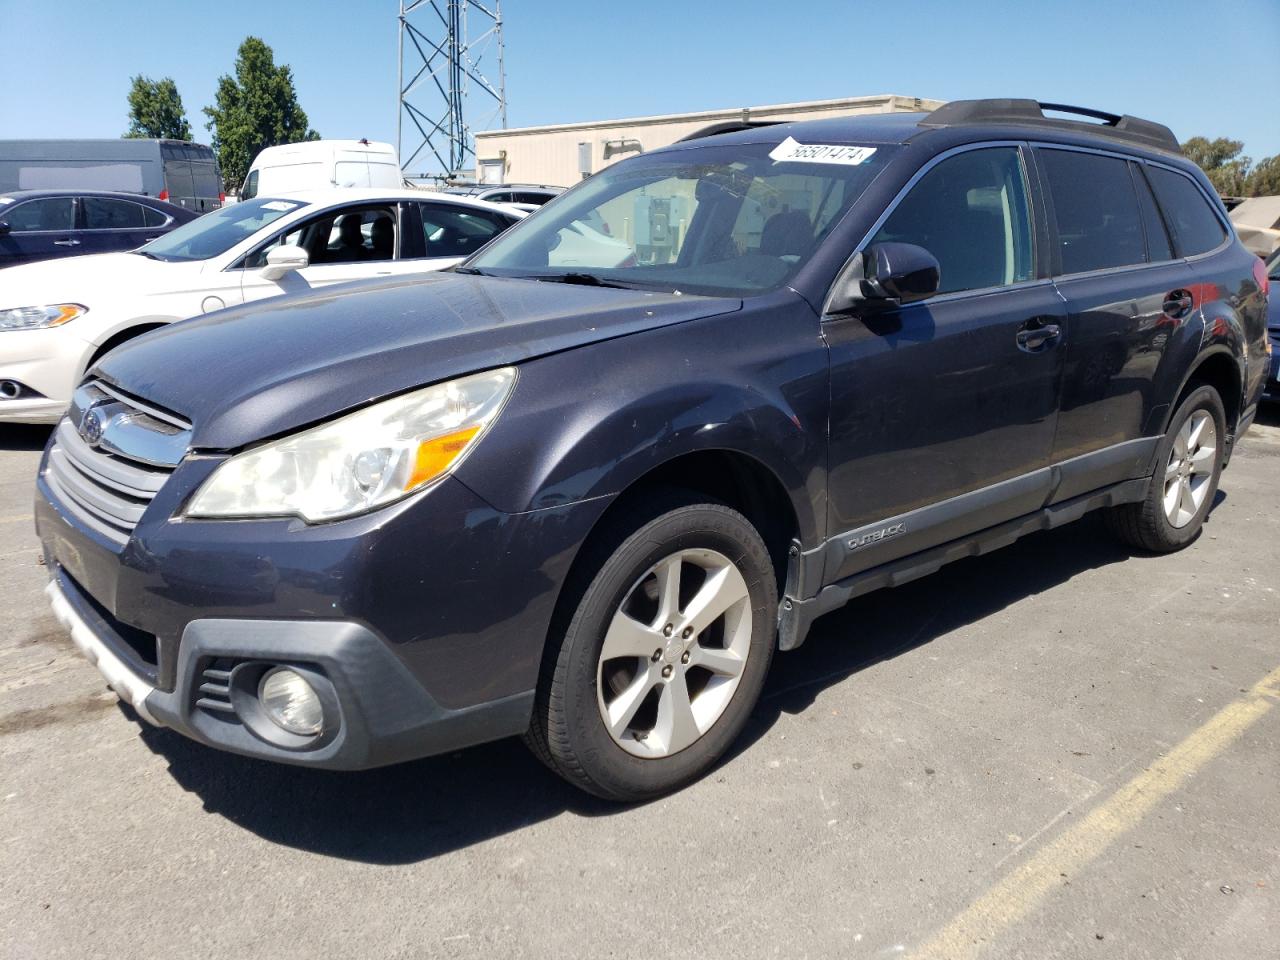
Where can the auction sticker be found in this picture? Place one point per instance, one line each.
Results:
(841, 154)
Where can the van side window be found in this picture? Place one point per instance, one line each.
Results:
(1096, 208)
(970, 211)
(1159, 248)
(1195, 227)
(250, 188)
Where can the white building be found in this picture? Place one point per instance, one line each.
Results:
(562, 154)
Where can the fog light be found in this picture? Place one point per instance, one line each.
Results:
(290, 702)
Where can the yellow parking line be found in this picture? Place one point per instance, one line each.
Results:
(1019, 893)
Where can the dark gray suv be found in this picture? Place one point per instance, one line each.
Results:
(582, 488)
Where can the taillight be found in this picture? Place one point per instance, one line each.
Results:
(222, 197)
(164, 195)
(1260, 274)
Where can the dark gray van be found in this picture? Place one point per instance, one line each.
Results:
(184, 174)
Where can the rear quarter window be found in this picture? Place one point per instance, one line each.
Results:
(1191, 218)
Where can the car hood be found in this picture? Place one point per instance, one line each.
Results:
(89, 279)
(253, 372)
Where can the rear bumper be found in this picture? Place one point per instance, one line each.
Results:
(376, 712)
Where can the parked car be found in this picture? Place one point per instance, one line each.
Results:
(524, 195)
(44, 224)
(363, 525)
(319, 164)
(182, 173)
(1273, 326)
(57, 318)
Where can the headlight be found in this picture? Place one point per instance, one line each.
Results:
(360, 461)
(35, 318)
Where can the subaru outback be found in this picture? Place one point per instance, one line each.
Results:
(586, 502)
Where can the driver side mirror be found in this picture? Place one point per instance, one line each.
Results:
(886, 275)
(284, 260)
(4, 228)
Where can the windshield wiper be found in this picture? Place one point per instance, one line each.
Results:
(582, 279)
(149, 256)
(470, 271)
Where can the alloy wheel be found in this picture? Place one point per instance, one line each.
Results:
(1188, 475)
(674, 653)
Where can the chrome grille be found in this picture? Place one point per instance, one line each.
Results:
(111, 455)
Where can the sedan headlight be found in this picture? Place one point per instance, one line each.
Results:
(360, 461)
(36, 318)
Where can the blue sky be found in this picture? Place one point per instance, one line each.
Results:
(1208, 68)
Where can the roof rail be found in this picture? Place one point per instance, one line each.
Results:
(728, 126)
(1146, 133)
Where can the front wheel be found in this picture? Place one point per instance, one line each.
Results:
(665, 654)
(1181, 491)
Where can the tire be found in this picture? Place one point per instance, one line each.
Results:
(1162, 522)
(655, 572)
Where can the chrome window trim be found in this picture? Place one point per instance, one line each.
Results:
(861, 245)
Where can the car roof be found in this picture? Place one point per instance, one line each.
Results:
(16, 195)
(903, 128)
(331, 196)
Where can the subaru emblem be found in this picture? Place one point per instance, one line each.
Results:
(91, 428)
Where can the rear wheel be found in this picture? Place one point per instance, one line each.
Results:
(1180, 493)
(665, 654)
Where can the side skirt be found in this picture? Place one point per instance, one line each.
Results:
(797, 616)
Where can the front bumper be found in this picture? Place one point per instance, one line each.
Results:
(47, 363)
(426, 619)
(377, 713)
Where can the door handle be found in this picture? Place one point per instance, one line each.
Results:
(66, 243)
(1177, 304)
(1033, 339)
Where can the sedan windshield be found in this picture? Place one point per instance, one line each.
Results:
(216, 233)
(719, 220)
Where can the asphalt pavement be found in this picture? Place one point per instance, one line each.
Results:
(1057, 750)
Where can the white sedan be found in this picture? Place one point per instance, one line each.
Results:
(59, 316)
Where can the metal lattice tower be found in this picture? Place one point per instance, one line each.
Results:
(443, 46)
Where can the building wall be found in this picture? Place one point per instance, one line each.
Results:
(550, 154)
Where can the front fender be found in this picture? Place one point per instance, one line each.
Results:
(590, 422)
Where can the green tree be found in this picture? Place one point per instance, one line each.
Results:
(255, 109)
(155, 110)
(1222, 162)
(1264, 178)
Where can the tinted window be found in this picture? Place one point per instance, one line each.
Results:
(1158, 246)
(103, 213)
(502, 196)
(153, 218)
(1097, 211)
(52, 213)
(970, 212)
(250, 188)
(535, 198)
(451, 232)
(714, 219)
(1194, 225)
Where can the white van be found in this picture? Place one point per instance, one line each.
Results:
(317, 164)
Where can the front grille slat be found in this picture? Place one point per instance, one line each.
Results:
(104, 488)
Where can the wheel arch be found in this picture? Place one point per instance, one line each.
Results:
(1217, 367)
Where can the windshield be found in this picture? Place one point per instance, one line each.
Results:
(216, 233)
(719, 220)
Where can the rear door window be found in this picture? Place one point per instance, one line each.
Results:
(1096, 208)
(450, 232)
(970, 211)
(105, 213)
(1195, 226)
(153, 218)
(48, 213)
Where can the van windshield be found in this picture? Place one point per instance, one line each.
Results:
(216, 233)
(729, 220)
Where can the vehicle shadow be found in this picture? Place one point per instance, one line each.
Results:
(1268, 415)
(24, 436)
(419, 810)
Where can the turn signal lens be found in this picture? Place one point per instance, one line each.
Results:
(435, 456)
